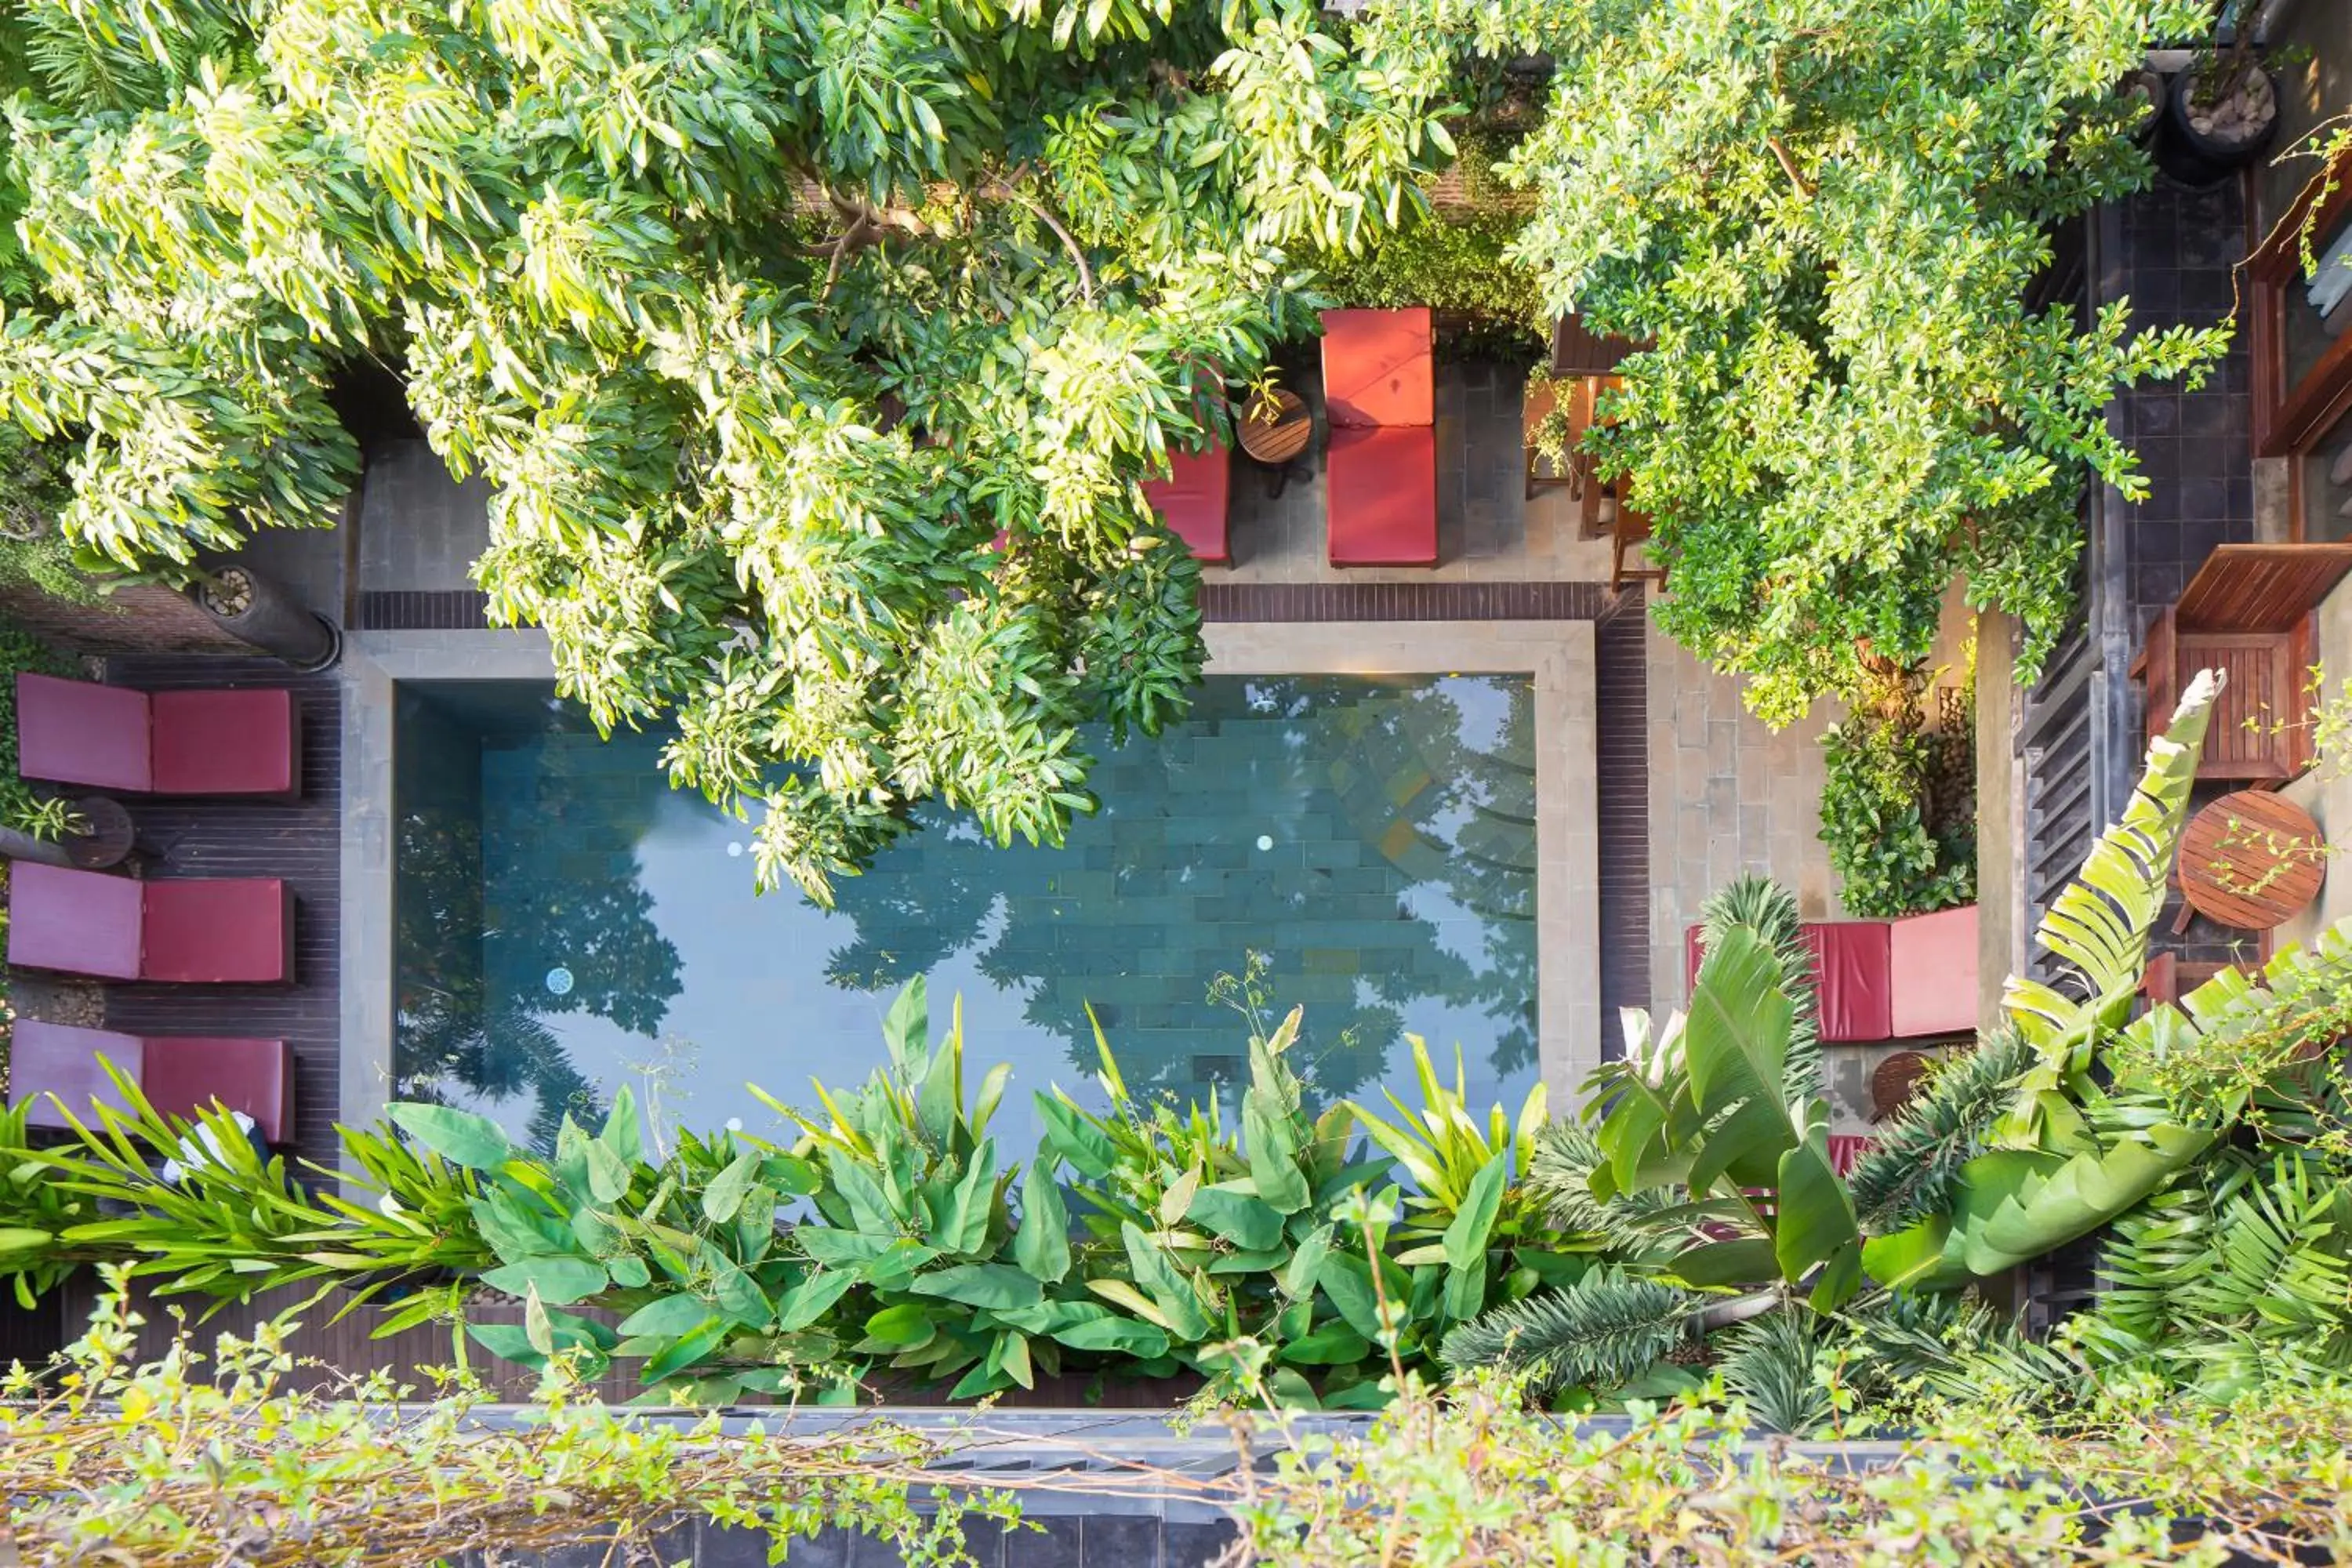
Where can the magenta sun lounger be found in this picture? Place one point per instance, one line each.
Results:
(1193, 501)
(179, 1074)
(1381, 474)
(246, 742)
(198, 930)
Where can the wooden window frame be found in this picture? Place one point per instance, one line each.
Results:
(2288, 420)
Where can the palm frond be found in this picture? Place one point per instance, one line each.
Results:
(1776, 1364)
(1603, 1330)
(2099, 922)
(1770, 910)
(1909, 1172)
(2233, 1040)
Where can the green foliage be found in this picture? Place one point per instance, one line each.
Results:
(1603, 1330)
(764, 323)
(1781, 1367)
(1707, 1106)
(1911, 1167)
(1460, 265)
(1476, 1479)
(884, 1244)
(1901, 828)
(1825, 220)
(1770, 910)
(174, 1464)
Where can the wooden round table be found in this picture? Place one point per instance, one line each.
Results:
(108, 842)
(1276, 437)
(2251, 860)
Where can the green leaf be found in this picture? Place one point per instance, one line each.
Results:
(556, 1280)
(1179, 1303)
(665, 1317)
(1241, 1217)
(1073, 1137)
(684, 1352)
(1273, 1156)
(460, 1137)
(974, 1200)
(1348, 1282)
(809, 1299)
(1714, 1263)
(907, 1027)
(608, 1174)
(738, 1294)
(1466, 1238)
(981, 1285)
(725, 1194)
(20, 1239)
(907, 1325)
(1042, 1245)
(1116, 1336)
(622, 1136)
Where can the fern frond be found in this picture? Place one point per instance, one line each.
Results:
(1908, 1174)
(1770, 910)
(1775, 1363)
(1603, 1330)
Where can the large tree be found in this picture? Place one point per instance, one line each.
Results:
(1824, 217)
(814, 350)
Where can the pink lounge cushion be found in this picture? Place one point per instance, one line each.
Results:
(1377, 368)
(75, 733)
(1933, 961)
(244, 742)
(60, 1061)
(1193, 501)
(1380, 497)
(1850, 970)
(83, 922)
(1846, 1149)
(219, 932)
(186, 1073)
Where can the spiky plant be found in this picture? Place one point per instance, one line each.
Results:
(1779, 1364)
(1770, 910)
(1603, 1330)
(1642, 1226)
(1910, 1171)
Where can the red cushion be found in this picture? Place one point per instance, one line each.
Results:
(1377, 368)
(1852, 972)
(1380, 497)
(45, 1059)
(74, 732)
(186, 1073)
(1846, 1149)
(1933, 962)
(228, 743)
(219, 932)
(1192, 500)
(83, 922)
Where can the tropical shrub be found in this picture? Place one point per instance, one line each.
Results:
(813, 353)
(1824, 222)
(1898, 801)
(889, 1243)
(176, 1464)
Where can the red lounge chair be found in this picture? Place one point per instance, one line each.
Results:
(180, 1075)
(1380, 490)
(1192, 500)
(202, 930)
(246, 742)
(1887, 980)
(1380, 494)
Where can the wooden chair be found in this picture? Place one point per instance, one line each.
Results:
(1630, 532)
(2246, 612)
(1537, 406)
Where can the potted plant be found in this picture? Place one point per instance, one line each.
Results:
(40, 829)
(264, 612)
(2223, 110)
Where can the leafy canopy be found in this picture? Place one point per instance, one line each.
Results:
(1824, 217)
(813, 350)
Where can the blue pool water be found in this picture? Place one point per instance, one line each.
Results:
(568, 922)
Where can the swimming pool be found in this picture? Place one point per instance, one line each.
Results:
(566, 922)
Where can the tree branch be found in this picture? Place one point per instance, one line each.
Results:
(1086, 273)
(1788, 165)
